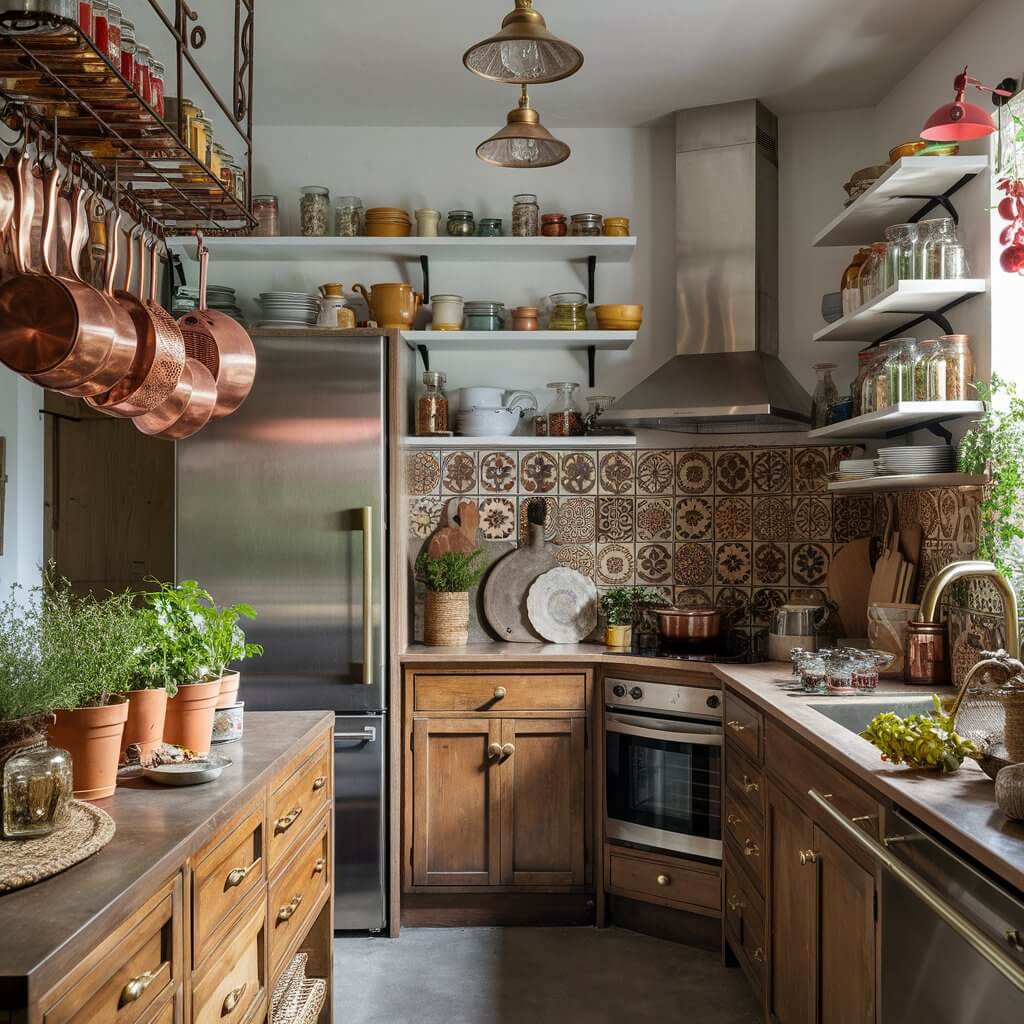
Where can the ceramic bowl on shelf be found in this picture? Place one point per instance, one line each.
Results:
(488, 421)
(619, 317)
(906, 149)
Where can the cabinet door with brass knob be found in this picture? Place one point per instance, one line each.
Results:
(236, 978)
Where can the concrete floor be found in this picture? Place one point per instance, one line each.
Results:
(533, 976)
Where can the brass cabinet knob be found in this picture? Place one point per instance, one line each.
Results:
(664, 879)
(734, 903)
(286, 822)
(733, 819)
(499, 692)
(236, 876)
(736, 726)
(494, 750)
(232, 999)
(136, 986)
(508, 749)
(1015, 937)
(808, 857)
(758, 955)
(289, 909)
(749, 786)
(319, 866)
(319, 782)
(750, 848)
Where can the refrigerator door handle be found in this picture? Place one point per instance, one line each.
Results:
(366, 520)
(368, 735)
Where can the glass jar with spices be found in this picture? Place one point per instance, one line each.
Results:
(936, 235)
(525, 215)
(313, 209)
(586, 224)
(432, 406)
(616, 227)
(100, 33)
(265, 210)
(140, 80)
(850, 284)
(564, 414)
(902, 239)
(156, 86)
(874, 391)
(348, 216)
(128, 46)
(489, 227)
(461, 223)
(864, 360)
(553, 225)
(568, 311)
(899, 370)
(925, 351)
(114, 34)
(951, 370)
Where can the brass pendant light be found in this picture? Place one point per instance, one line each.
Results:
(523, 142)
(524, 51)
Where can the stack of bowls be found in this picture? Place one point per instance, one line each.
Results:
(387, 222)
(619, 317)
(288, 309)
(218, 296)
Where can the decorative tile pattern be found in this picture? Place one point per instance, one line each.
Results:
(765, 601)
(733, 518)
(654, 473)
(772, 471)
(694, 519)
(578, 473)
(577, 521)
(809, 564)
(693, 597)
(538, 472)
(695, 472)
(424, 515)
(498, 472)
(810, 470)
(653, 563)
(422, 473)
(459, 473)
(616, 473)
(615, 563)
(732, 564)
(732, 472)
(498, 518)
(653, 519)
(694, 564)
(771, 563)
(577, 556)
(550, 519)
(773, 519)
(853, 516)
(615, 519)
(812, 518)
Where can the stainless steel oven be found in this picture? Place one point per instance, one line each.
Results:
(663, 766)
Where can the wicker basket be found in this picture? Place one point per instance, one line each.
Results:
(295, 970)
(446, 619)
(297, 999)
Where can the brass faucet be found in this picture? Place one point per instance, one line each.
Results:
(958, 570)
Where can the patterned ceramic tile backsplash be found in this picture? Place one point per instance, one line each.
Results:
(744, 527)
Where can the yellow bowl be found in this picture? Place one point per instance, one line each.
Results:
(388, 229)
(906, 149)
(618, 325)
(619, 311)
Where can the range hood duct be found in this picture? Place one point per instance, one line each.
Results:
(727, 375)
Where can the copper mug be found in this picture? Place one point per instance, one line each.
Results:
(391, 305)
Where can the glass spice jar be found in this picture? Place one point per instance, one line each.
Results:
(156, 86)
(936, 234)
(264, 209)
(564, 414)
(461, 223)
(140, 80)
(586, 224)
(114, 34)
(100, 33)
(128, 47)
(925, 351)
(950, 370)
(348, 216)
(553, 225)
(313, 209)
(902, 240)
(432, 406)
(850, 282)
(36, 789)
(525, 215)
(568, 311)
(899, 370)
(489, 227)
(864, 360)
(874, 391)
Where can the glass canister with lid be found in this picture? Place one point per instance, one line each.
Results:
(586, 224)
(489, 227)
(265, 210)
(564, 415)
(568, 311)
(864, 360)
(899, 370)
(850, 283)
(525, 215)
(483, 315)
(950, 370)
(933, 236)
(432, 406)
(348, 216)
(925, 351)
(875, 389)
(826, 394)
(114, 34)
(313, 209)
(128, 47)
(902, 240)
(461, 223)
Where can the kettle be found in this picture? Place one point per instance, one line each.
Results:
(794, 625)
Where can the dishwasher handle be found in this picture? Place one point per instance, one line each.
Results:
(368, 735)
(970, 933)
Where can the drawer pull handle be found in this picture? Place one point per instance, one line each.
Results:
(494, 750)
(733, 819)
(664, 879)
(736, 726)
(289, 910)
(319, 866)
(499, 692)
(734, 903)
(1015, 938)
(749, 786)
(236, 876)
(319, 782)
(134, 989)
(232, 999)
(808, 857)
(758, 955)
(285, 823)
(508, 750)
(750, 848)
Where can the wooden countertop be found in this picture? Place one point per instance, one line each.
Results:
(157, 828)
(569, 654)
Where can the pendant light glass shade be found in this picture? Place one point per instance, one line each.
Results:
(524, 52)
(523, 142)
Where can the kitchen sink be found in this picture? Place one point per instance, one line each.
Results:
(854, 713)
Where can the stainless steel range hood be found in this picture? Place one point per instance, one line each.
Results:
(727, 376)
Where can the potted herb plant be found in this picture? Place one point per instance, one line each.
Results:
(622, 607)
(226, 641)
(147, 697)
(448, 579)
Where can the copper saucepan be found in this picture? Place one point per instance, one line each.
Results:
(689, 623)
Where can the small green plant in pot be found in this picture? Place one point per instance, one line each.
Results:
(448, 579)
(227, 646)
(622, 608)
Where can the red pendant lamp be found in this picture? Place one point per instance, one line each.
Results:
(959, 121)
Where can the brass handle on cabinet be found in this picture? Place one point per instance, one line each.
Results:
(664, 879)
(232, 999)
(319, 782)
(808, 857)
(749, 786)
(289, 910)
(758, 955)
(494, 750)
(1015, 938)
(499, 692)
(136, 986)
(734, 903)
(285, 823)
(508, 750)
(236, 876)
(732, 819)
(750, 848)
(736, 726)
(319, 866)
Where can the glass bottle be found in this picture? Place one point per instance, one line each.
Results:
(432, 406)
(902, 240)
(899, 370)
(825, 394)
(881, 280)
(568, 311)
(525, 215)
(264, 209)
(869, 276)
(313, 209)
(36, 789)
(925, 352)
(128, 46)
(460, 223)
(114, 34)
(564, 415)
(850, 285)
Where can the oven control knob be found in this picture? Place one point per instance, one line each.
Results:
(636, 693)
(713, 701)
(619, 690)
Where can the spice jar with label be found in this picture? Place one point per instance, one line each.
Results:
(950, 370)
(564, 414)
(553, 225)
(264, 209)
(432, 406)
(313, 208)
(461, 223)
(525, 215)
(489, 227)
(348, 216)
(586, 224)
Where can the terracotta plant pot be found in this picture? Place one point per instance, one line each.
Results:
(189, 721)
(618, 636)
(446, 619)
(229, 689)
(92, 736)
(145, 725)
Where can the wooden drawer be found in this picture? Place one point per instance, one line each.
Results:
(744, 781)
(664, 880)
(743, 914)
(164, 1016)
(237, 976)
(294, 895)
(226, 873)
(125, 975)
(745, 837)
(295, 803)
(540, 692)
(744, 726)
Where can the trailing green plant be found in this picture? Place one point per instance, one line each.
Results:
(454, 572)
(622, 605)
(226, 638)
(920, 741)
(24, 690)
(995, 445)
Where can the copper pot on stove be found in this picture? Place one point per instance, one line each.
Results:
(680, 624)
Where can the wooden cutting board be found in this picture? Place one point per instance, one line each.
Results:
(911, 541)
(849, 582)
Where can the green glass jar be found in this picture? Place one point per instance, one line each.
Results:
(899, 370)
(483, 316)
(489, 227)
(568, 311)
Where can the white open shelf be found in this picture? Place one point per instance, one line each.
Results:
(521, 341)
(902, 416)
(507, 249)
(864, 221)
(506, 442)
(900, 302)
(906, 482)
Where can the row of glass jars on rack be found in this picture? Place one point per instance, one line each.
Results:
(929, 250)
(197, 133)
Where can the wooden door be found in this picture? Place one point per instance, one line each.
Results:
(455, 818)
(542, 801)
(793, 912)
(846, 936)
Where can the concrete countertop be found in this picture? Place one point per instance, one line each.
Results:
(569, 654)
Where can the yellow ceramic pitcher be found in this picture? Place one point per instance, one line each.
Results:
(391, 305)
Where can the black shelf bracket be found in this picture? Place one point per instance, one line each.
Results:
(591, 360)
(591, 274)
(425, 267)
(942, 200)
(424, 355)
(932, 426)
(937, 317)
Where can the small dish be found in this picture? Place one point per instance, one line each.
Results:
(188, 773)
(911, 148)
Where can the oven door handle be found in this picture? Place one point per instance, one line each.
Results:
(706, 739)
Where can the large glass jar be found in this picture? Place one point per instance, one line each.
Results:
(85, 17)
(525, 215)
(899, 370)
(36, 789)
(925, 351)
(100, 33)
(874, 390)
(568, 311)
(156, 86)
(933, 235)
(864, 360)
(348, 216)
(951, 369)
(850, 284)
(461, 223)
(128, 46)
(264, 209)
(878, 281)
(314, 208)
(114, 34)
(902, 240)
(825, 394)
(432, 406)
(140, 82)
(564, 414)
(869, 276)
(586, 224)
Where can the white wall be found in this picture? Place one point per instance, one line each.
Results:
(21, 425)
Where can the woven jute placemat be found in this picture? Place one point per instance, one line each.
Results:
(85, 830)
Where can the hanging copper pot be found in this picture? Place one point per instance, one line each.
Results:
(187, 410)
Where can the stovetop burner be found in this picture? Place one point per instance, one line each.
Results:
(723, 650)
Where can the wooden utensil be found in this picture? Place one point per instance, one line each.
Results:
(849, 583)
(911, 541)
(460, 538)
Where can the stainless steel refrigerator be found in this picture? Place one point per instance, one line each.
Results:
(282, 505)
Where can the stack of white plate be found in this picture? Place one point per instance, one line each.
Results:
(855, 469)
(218, 296)
(915, 459)
(288, 309)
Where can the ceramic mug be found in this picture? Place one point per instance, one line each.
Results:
(447, 312)
(391, 304)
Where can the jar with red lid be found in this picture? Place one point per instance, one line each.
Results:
(114, 34)
(100, 33)
(156, 86)
(554, 225)
(140, 79)
(85, 16)
(128, 46)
